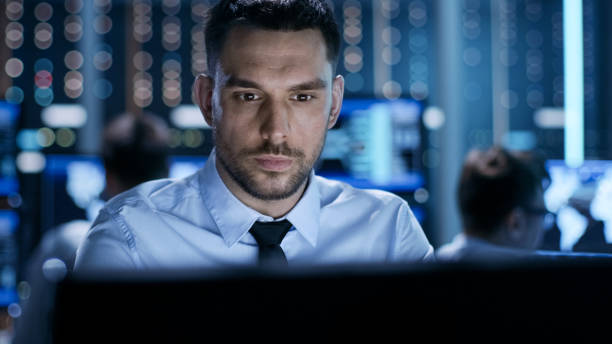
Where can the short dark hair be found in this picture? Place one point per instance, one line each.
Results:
(135, 148)
(492, 184)
(279, 15)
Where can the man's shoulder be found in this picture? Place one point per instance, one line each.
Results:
(333, 191)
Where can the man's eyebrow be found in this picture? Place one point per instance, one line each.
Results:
(315, 84)
(237, 82)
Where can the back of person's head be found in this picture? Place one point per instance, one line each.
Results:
(277, 15)
(493, 184)
(135, 149)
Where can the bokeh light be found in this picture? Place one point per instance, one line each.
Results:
(193, 138)
(392, 89)
(103, 24)
(103, 60)
(65, 137)
(353, 59)
(43, 11)
(43, 96)
(143, 89)
(103, 6)
(73, 28)
(143, 26)
(171, 33)
(13, 67)
(45, 137)
(14, 10)
(14, 35)
(73, 59)
(14, 94)
(43, 35)
(103, 89)
(199, 8)
(73, 84)
(354, 82)
(171, 7)
(73, 6)
(43, 79)
(142, 61)
(43, 64)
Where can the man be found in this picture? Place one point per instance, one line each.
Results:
(501, 203)
(270, 96)
(134, 150)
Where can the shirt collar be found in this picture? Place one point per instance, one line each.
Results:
(234, 219)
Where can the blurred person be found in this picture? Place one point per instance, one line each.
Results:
(270, 96)
(134, 150)
(500, 196)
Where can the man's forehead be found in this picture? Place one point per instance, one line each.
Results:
(250, 36)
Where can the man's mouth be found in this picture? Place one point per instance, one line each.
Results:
(274, 163)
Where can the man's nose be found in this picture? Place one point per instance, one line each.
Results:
(275, 124)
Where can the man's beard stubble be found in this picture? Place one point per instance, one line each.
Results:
(246, 179)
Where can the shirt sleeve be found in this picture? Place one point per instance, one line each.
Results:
(411, 244)
(106, 246)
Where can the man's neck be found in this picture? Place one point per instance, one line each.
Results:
(272, 208)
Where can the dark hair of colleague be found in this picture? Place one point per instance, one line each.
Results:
(290, 15)
(135, 150)
(498, 193)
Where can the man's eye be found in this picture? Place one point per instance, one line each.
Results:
(303, 97)
(248, 97)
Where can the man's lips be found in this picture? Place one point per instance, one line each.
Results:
(274, 163)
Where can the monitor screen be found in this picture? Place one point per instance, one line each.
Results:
(9, 114)
(578, 195)
(71, 188)
(9, 218)
(376, 143)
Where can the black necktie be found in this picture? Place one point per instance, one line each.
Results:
(269, 235)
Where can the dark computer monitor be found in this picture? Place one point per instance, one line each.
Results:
(336, 303)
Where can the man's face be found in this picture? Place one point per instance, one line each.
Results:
(273, 100)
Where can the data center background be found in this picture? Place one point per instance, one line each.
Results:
(446, 76)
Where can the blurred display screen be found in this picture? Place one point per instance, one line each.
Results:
(71, 188)
(577, 195)
(376, 144)
(9, 114)
(9, 218)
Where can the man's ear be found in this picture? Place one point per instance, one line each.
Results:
(337, 95)
(203, 90)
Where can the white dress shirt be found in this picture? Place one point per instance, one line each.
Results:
(197, 222)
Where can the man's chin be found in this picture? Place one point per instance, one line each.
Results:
(272, 192)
